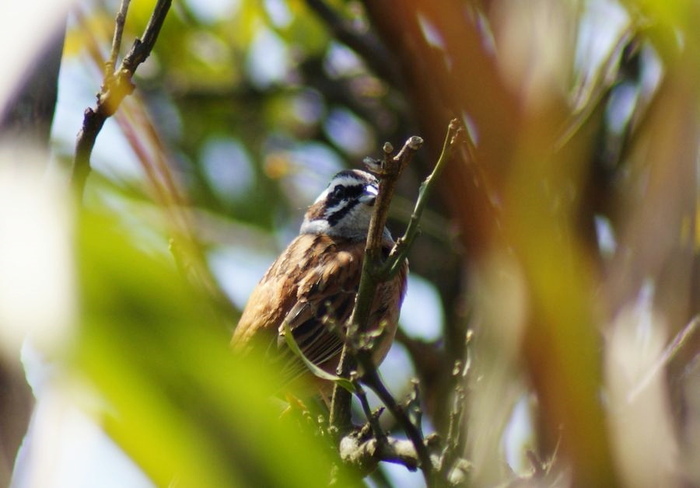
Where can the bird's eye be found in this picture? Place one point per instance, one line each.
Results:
(340, 192)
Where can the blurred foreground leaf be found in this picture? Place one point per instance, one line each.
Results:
(172, 394)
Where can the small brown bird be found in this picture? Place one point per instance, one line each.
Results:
(313, 283)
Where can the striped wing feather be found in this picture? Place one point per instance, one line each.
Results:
(314, 296)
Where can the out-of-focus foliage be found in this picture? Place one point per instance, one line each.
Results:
(155, 352)
(564, 237)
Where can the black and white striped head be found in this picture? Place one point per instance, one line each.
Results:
(344, 208)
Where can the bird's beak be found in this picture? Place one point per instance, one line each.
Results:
(370, 195)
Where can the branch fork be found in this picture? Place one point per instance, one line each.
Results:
(116, 86)
(413, 452)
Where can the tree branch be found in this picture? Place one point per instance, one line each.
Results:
(456, 433)
(404, 243)
(372, 379)
(389, 172)
(116, 86)
(364, 452)
(374, 271)
(119, 22)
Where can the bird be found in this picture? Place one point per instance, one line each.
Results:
(312, 285)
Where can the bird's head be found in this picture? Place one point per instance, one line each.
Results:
(344, 208)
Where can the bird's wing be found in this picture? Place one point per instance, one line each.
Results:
(325, 299)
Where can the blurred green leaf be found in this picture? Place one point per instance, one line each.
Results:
(174, 396)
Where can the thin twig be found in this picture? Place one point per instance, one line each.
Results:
(372, 418)
(139, 131)
(142, 48)
(404, 243)
(340, 415)
(668, 353)
(457, 430)
(413, 432)
(453, 441)
(119, 22)
(115, 88)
